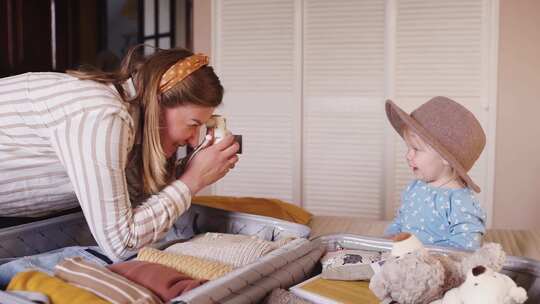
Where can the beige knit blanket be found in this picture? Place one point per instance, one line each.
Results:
(194, 267)
(233, 249)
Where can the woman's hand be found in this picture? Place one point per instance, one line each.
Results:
(210, 164)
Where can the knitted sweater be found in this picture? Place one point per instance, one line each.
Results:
(165, 282)
(233, 249)
(193, 267)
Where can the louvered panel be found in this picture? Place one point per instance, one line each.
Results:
(257, 59)
(336, 123)
(256, 45)
(402, 174)
(343, 48)
(343, 162)
(343, 112)
(438, 48)
(265, 168)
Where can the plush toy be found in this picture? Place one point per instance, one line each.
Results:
(405, 243)
(419, 276)
(484, 286)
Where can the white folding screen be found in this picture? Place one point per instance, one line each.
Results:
(306, 82)
(256, 54)
(343, 85)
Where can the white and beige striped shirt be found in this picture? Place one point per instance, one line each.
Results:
(65, 141)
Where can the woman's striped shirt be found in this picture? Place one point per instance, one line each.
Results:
(65, 141)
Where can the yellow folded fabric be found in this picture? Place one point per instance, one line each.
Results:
(58, 291)
(194, 267)
(260, 206)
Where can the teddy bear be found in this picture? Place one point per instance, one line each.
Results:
(483, 285)
(415, 275)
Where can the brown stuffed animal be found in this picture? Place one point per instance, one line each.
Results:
(420, 276)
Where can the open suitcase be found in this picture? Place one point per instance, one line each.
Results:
(282, 267)
(525, 272)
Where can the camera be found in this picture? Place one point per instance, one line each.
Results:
(211, 133)
(216, 127)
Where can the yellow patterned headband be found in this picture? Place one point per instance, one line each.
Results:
(180, 70)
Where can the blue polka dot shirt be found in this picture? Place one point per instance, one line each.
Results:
(440, 216)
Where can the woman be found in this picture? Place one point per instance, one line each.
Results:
(106, 141)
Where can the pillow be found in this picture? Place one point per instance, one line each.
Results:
(259, 206)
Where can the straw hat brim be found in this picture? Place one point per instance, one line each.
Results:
(398, 118)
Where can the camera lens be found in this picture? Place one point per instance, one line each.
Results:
(238, 139)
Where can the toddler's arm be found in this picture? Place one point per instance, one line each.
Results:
(395, 227)
(466, 241)
(467, 222)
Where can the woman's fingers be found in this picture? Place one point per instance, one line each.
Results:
(231, 150)
(232, 161)
(227, 147)
(225, 142)
(212, 163)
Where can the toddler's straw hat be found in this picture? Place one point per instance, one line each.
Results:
(447, 127)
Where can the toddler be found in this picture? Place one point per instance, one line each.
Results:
(443, 140)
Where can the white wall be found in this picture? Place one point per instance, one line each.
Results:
(517, 169)
(180, 34)
(202, 24)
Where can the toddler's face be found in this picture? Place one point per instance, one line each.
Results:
(423, 160)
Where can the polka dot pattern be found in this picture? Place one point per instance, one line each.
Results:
(440, 216)
(180, 70)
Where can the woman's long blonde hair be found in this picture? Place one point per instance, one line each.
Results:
(201, 88)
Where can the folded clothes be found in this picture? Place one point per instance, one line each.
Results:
(58, 291)
(46, 261)
(282, 296)
(165, 282)
(197, 268)
(233, 249)
(282, 267)
(23, 297)
(103, 282)
(350, 265)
